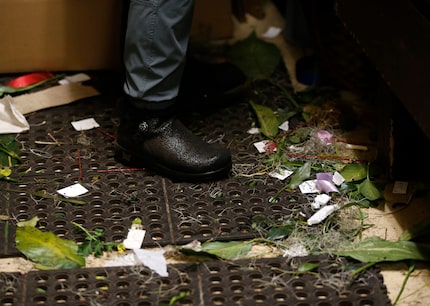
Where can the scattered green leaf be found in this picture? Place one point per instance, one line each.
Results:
(48, 250)
(256, 58)
(375, 249)
(354, 172)
(267, 120)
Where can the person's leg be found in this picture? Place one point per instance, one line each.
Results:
(149, 133)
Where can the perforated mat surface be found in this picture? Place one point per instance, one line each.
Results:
(260, 282)
(55, 156)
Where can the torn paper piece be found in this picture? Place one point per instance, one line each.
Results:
(309, 187)
(11, 120)
(272, 32)
(153, 259)
(322, 214)
(338, 179)
(320, 200)
(122, 261)
(285, 126)
(400, 187)
(53, 96)
(281, 173)
(85, 124)
(73, 191)
(265, 146)
(253, 131)
(76, 78)
(134, 238)
(296, 250)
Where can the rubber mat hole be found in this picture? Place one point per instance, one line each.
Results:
(280, 297)
(301, 295)
(218, 301)
(237, 289)
(322, 295)
(61, 287)
(235, 278)
(206, 233)
(80, 287)
(39, 300)
(298, 285)
(186, 234)
(157, 236)
(8, 302)
(61, 299)
(363, 292)
(215, 280)
(366, 303)
(62, 277)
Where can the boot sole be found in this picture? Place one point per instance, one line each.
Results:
(131, 159)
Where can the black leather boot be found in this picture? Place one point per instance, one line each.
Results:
(159, 141)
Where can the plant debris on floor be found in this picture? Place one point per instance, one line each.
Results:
(315, 146)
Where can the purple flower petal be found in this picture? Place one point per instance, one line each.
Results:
(326, 186)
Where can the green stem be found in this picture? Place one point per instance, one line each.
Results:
(42, 194)
(408, 274)
(87, 233)
(361, 269)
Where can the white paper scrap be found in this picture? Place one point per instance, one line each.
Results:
(338, 179)
(76, 78)
(400, 187)
(122, 260)
(254, 131)
(285, 126)
(11, 119)
(322, 214)
(261, 146)
(85, 124)
(320, 200)
(153, 259)
(281, 173)
(272, 32)
(134, 238)
(309, 187)
(73, 191)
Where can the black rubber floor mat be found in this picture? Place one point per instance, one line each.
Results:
(270, 281)
(56, 156)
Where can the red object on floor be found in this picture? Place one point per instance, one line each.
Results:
(29, 79)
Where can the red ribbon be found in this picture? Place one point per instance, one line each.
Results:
(29, 79)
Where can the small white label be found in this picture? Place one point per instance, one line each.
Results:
(85, 124)
(73, 191)
(400, 187)
(338, 179)
(309, 187)
(281, 174)
(285, 126)
(134, 238)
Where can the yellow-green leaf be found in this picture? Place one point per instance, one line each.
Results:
(267, 120)
(227, 250)
(375, 249)
(46, 249)
(354, 172)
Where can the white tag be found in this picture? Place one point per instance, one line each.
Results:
(285, 126)
(272, 32)
(85, 124)
(338, 179)
(262, 145)
(73, 191)
(309, 187)
(134, 238)
(253, 131)
(76, 78)
(320, 200)
(400, 187)
(280, 173)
